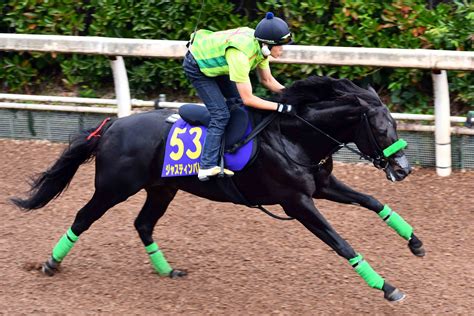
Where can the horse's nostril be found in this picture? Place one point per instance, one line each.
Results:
(403, 172)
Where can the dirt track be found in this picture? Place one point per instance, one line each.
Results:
(240, 261)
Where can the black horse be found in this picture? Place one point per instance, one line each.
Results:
(293, 166)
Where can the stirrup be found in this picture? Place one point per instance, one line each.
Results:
(223, 172)
(204, 174)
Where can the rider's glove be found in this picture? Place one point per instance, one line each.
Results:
(286, 108)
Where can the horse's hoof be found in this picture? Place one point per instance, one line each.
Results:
(395, 296)
(417, 250)
(416, 246)
(50, 267)
(175, 274)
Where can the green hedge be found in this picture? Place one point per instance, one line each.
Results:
(353, 23)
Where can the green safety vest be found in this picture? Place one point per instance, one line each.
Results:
(209, 49)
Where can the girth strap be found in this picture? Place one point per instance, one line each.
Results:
(229, 187)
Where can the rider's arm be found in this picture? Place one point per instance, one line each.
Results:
(268, 81)
(239, 69)
(245, 91)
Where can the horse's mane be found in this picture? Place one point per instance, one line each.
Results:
(324, 92)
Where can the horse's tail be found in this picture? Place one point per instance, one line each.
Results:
(52, 182)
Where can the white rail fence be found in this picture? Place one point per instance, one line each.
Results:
(436, 60)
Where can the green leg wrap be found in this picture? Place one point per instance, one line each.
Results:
(363, 268)
(64, 245)
(158, 260)
(396, 222)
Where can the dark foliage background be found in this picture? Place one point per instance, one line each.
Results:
(430, 24)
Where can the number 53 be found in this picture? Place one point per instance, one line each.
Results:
(176, 141)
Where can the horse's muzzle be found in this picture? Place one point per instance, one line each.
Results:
(398, 168)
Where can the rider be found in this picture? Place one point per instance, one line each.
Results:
(218, 66)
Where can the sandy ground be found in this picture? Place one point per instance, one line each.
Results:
(240, 261)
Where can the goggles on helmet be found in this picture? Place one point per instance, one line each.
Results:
(282, 41)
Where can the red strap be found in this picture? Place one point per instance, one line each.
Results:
(96, 132)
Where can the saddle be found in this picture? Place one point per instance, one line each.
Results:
(236, 128)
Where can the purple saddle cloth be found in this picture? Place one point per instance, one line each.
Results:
(185, 142)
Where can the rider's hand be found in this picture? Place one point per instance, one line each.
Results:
(286, 109)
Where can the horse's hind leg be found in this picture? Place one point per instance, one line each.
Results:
(157, 201)
(92, 211)
(305, 212)
(334, 190)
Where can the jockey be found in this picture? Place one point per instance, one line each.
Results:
(218, 66)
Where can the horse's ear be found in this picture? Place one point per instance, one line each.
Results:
(372, 90)
(362, 102)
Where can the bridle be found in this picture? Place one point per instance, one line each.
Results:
(379, 159)
(380, 156)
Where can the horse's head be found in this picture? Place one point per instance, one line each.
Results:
(352, 114)
(377, 138)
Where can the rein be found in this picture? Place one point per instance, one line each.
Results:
(340, 144)
(308, 165)
(380, 161)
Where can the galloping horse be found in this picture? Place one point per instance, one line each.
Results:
(293, 166)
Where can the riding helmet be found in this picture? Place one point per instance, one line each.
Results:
(273, 31)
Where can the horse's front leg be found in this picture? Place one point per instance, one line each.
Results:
(302, 208)
(330, 188)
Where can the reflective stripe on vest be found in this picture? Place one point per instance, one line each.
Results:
(209, 49)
